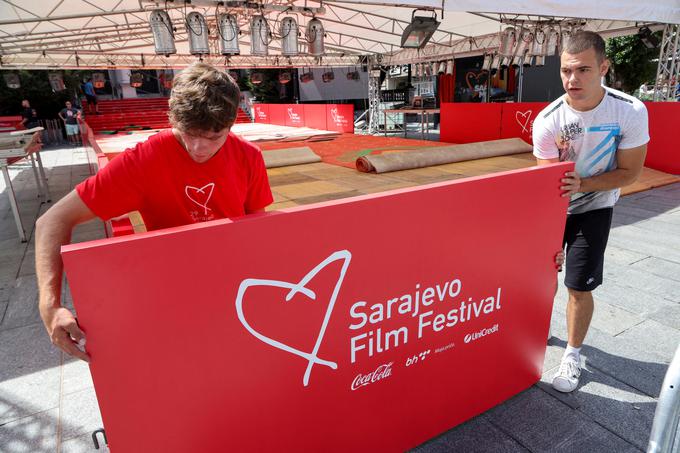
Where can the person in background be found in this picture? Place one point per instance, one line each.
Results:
(71, 116)
(88, 89)
(29, 115)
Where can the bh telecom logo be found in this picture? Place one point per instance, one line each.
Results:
(480, 333)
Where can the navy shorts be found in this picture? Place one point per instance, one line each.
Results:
(585, 236)
(91, 99)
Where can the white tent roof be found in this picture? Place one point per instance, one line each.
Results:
(115, 33)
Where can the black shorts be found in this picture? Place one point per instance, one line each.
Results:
(585, 236)
(91, 99)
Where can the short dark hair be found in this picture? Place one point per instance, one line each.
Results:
(203, 98)
(584, 40)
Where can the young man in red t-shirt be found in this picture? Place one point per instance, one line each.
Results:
(195, 172)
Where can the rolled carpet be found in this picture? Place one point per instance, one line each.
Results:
(289, 156)
(440, 155)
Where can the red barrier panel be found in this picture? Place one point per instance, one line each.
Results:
(340, 117)
(278, 114)
(295, 115)
(11, 121)
(663, 151)
(304, 331)
(315, 116)
(517, 119)
(468, 122)
(261, 113)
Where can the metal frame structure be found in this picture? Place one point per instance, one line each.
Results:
(668, 69)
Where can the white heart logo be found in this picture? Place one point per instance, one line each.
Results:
(200, 196)
(311, 357)
(524, 121)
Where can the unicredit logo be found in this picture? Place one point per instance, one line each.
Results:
(382, 372)
(481, 333)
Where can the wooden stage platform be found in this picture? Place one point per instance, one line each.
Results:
(335, 178)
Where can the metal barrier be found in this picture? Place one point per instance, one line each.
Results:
(664, 436)
(53, 132)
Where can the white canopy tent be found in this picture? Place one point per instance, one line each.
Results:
(116, 33)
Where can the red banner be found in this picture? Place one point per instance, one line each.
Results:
(517, 119)
(295, 115)
(261, 113)
(305, 331)
(340, 117)
(315, 116)
(277, 114)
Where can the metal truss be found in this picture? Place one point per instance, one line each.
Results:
(668, 69)
(479, 45)
(373, 98)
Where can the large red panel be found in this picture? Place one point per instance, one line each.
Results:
(340, 117)
(305, 330)
(469, 122)
(278, 114)
(517, 119)
(315, 116)
(663, 151)
(295, 115)
(261, 113)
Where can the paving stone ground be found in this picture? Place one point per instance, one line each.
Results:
(47, 401)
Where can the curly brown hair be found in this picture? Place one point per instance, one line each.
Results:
(203, 99)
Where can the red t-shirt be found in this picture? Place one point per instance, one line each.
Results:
(159, 179)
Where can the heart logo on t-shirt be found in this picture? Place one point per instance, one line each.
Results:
(523, 119)
(200, 196)
(312, 357)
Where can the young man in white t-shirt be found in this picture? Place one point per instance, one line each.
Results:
(605, 132)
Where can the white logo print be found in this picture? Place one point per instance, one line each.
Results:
(311, 357)
(523, 119)
(337, 118)
(294, 117)
(200, 196)
(382, 372)
(480, 333)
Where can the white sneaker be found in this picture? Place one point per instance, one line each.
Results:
(566, 379)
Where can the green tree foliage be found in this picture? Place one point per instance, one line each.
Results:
(269, 91)
(35, 87)
(631, 62)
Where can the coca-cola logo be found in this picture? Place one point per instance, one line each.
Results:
(382, 372)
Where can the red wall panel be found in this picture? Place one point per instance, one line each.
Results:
(663, 150)
(467, 122)
(295, 115)
(315, 116)
(298, 331)
(262, 113)
(277, 114)
(340, 117)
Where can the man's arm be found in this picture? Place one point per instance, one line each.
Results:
(52, 230)
(629, 166)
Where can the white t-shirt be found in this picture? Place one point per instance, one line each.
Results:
(591, 139)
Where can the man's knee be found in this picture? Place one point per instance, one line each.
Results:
(580, 296)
